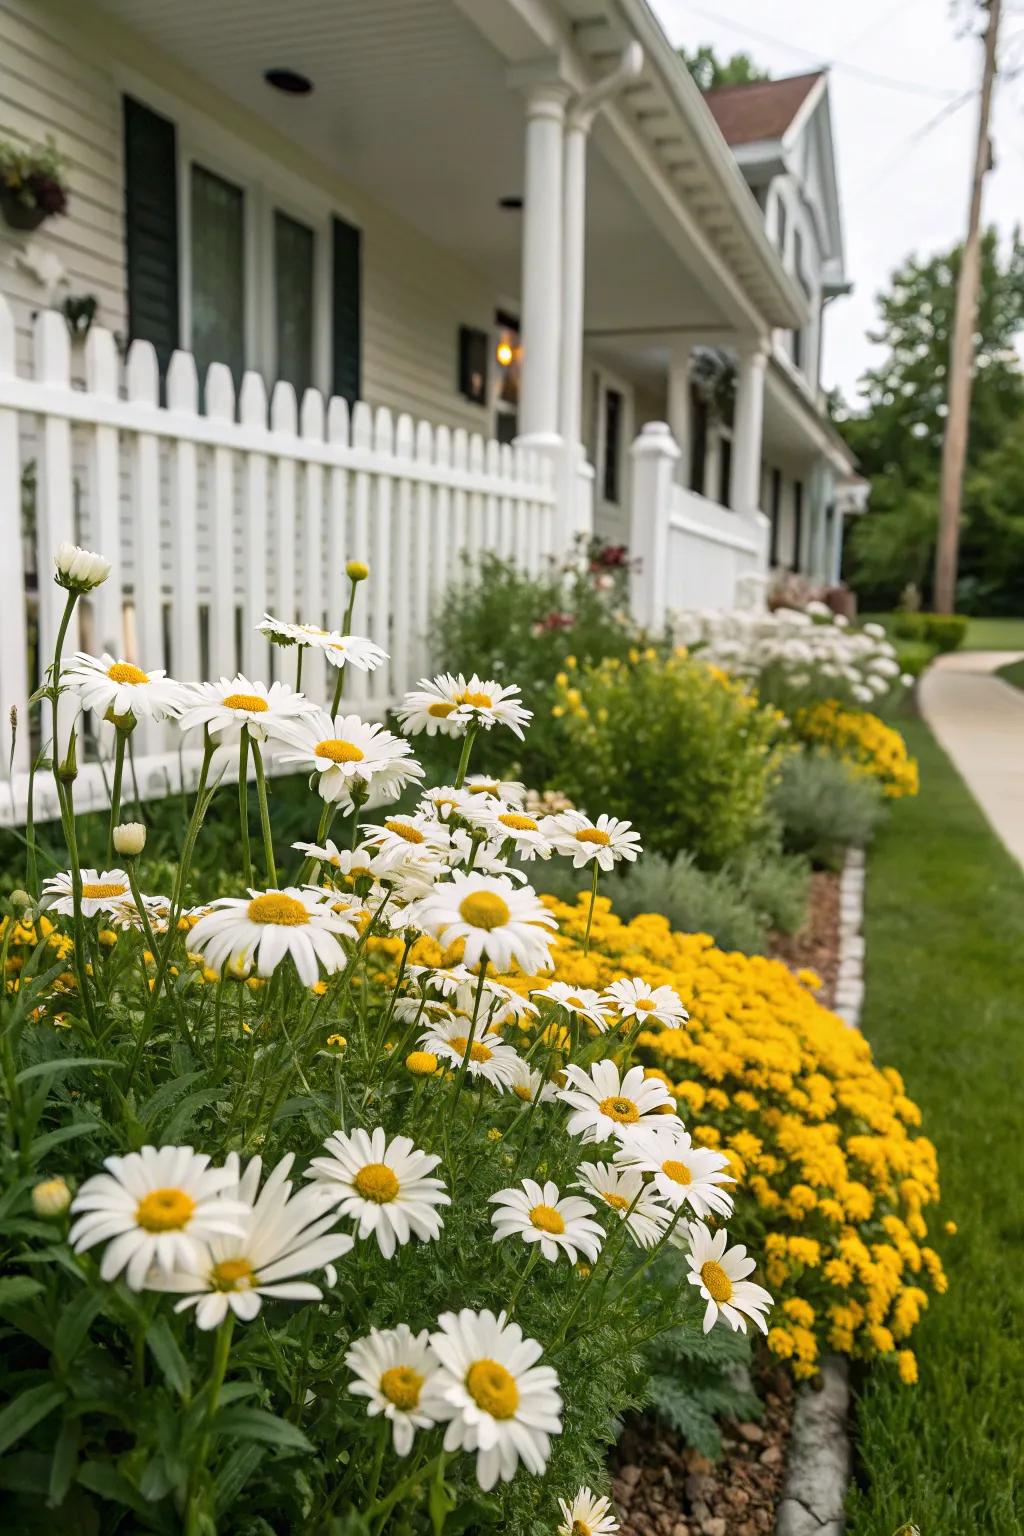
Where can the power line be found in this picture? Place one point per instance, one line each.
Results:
(900, 7)
(886, 166)
(913, 87)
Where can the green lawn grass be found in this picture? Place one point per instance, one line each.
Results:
(994, 635)
(1014, 673)
(945, 1004)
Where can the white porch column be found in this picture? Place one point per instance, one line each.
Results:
(542, 265)
(654, 456)
(836, 555)
(679, 405)
(748, 424)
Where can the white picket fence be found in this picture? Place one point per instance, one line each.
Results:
(693, 553)
(212, 516)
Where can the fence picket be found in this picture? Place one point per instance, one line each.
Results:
(55, 487)
(104, 494)
(380, 607)
(424, 448)
(401, 595)
(441, 564)
(337, 513)
(252, 414)
(14, 679)
(183, 396)
(362, 439)
(220, 406)
(317, 678)
(142, 379)
(283, 422)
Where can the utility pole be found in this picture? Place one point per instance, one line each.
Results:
(961, 357)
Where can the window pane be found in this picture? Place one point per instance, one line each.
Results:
(293, 300)
(612, 429)
(218, 272)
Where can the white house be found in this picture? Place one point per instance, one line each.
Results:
(516, 221)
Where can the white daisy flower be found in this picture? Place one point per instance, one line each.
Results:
(604, 1106)
(497, 1400)
(508, 1006)
(681, 1173)
(506, 825)
(105, 890)
(487, 703)
(486, 857)
(587, 1515)
(539, 1214)
(349, 864)
(105, 684)
(625, 1191)
(431, 706)
(489, 1056)
(720, 1275)
(498, 922)
(299, 922)
(227, 705)
(156, 1208)
(352, 651)
(78, 569)
(605, 841)
(584, 1002)
(481, 785)
(349, 755)
(385, 1185)
(444, 802)
(400, 837)
(636, 1000)
(394, 1370)
(528, 1084)
(126, 914)
(283, 1235)
(362, 653)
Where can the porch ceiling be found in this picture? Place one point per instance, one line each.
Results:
(412, 104)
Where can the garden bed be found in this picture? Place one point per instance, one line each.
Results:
(816, 946)
(662, 1487)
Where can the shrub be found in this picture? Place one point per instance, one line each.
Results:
(679, 749)
(866, 744)
(825, 806)
(826, 1142)
(943, 631)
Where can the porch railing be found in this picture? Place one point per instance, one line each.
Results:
(215, 507)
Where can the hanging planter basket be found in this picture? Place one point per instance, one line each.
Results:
(17, 214)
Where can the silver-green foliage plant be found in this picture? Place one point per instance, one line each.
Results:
(323, 1209)
(825, 807)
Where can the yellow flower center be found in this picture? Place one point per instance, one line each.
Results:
(581, 1528)
(622, 1110)
(478, 1053)
(593, 835)
(440, 710)
(493, 1389)
(475, 700)
(519, 823)
(575, 1002)
(645, 1005)
(250, 702)
(402, 829)
(232, 1275)
(103, 890)
(617, 1202)
(716, 1281)
(421, 1063)
(546, 1219)
(376, 1182)
(339, 751)
(124, 672)
(677, 1171)
(401, 1385)
(286, 911)
(484, 789)
(165, 1210)
(483, 909)
(523, 1091)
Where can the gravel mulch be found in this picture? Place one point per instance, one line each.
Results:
(816, 946)
(664, 1488)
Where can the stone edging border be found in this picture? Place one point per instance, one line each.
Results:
(818, 1465)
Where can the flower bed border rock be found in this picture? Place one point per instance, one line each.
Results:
(818, 1468)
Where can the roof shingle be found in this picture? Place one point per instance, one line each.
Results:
(762, 110)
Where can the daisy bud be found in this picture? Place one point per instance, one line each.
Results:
(51, 1198)
(19, 900)
(130, 838)
(357, 570)
(79, 570)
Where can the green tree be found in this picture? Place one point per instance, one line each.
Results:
(710, 71)
(898, 437)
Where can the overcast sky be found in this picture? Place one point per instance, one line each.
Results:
(904, 167)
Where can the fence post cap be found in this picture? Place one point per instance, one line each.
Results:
(656, 438)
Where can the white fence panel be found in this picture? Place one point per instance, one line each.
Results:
(211, 515)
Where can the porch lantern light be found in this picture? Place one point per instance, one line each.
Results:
(505, 352)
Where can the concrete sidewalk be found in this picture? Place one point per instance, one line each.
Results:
(979, 720)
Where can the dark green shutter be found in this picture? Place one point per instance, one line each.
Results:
(346, 316)
(151, 227)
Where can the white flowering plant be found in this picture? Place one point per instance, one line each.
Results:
(313, 1217)
(795, 657)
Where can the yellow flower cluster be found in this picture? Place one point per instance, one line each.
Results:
(862, 740)
(20, 939)
(825, 1142)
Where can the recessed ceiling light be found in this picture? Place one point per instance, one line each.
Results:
(289, 81)
(513, 204)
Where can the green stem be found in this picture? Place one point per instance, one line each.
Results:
(243, 805)
(31, 861)
(467, 747)
(221, 1352)
(336, 701)
(310, 868)
(299, 653)
(115, 793)
(527, 1272)
(261, 795)
(590, 914)
(464, 1064)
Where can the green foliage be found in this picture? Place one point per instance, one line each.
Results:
(711, 72)
(898, 438)
(825, 807)
(697, 1379)
(941, 631)
(688, 756)
(739, 906)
